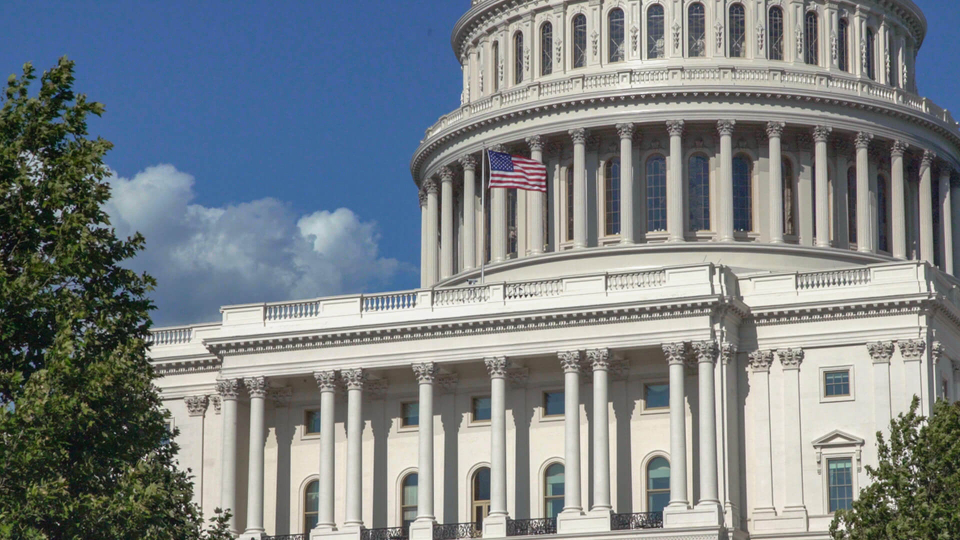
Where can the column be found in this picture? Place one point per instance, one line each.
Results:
(675, 204)
(600, 362)
(535, 201)
(446, 222)
(354, 379)
(774, 133)
(821, 134)
(228, 388)
(725, 129)
(424, 278)
(469, 164)
(759, 363)
(881, 352)
(430, 186)
(912, 351)
(257, 388)
(898, 219)
(570, 362)
(326, 382)
(707, 352)
(790, 360)
(676, 354)
(926, 207)
(579, 137)
(495, 524)
(498, 218)
(864, 225)
(627, 235)
(946, 223)
(425, 373)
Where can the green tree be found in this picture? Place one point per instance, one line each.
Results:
(915, 492)
(84, 445)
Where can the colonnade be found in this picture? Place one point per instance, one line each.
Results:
(440, 209)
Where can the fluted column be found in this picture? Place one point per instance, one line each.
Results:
(926, 207)
(354, 378)
(535, 201)
(600, 362)
(446, 222)
(759, 363)
(257, 388)
(425, 374)
(897, 205)
(228, 389)
(790, 360)
(706, 352)
(676, 354)
(946, 222)
(627, 234)
(864, 225)
(821, 135)
(570, 362)
(675, 201)
(431, 187)
(326, 382)
(424, 277)
(725, 129)
(579, 137)
(495, 524)
(774, 134)
(469, 164)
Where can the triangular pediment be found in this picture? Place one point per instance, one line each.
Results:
(837, 438)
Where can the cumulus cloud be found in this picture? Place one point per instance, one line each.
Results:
(204, 257)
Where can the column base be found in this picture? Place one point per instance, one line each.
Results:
(334, 534)
(252, 535)
(422, 529)
(575, 521)
(792, 519)
(703, 515)
(495, 526)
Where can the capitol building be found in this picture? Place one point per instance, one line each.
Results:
(741, 270)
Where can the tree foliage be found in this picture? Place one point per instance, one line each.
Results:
(915, 491)
(84, 447)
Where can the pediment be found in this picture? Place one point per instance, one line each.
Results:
(837, 438)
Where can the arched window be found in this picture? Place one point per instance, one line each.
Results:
(658, 484)
(657, 193)
(611, 198)
(496, 66)
(569, 201)
(811, 38)
(871, 63)
(789, 217)
(843, 45)
(852, 203)
(775, 24)
(656, 44)
(697, 25)
(615, 23)
(311, 505)
(882, 218)
(480, 494)
(553, 490)
(738, 31)
(699, 191)
(512, 221)
(579, 40)
(408, 499)
(742, 194)
(546, 49)
(518, 57)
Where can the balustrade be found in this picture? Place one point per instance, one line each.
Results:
(385, 533)
(836, 278)
(390, 302)
(530, 527)
(292, 310)
(533, 289)
(641, 520)
(455, 531)
(172, 336)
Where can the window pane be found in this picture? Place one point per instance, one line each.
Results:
(312, 423)
(882, 213)
(699, 190)
(776, 33)
(409, 496)
(738, 31)
(812, 39)
(554, 507)
(657, 194)
(852, 203)
(658, 474)
(697, 42)
(871, 42)
(554, 481)
(553, 403)
(617, 52)
(841, 483)
(656, 45)
(612, 196)
(411, 414)
(518, 57)
(496, 66)
(843, 46)
(481, 408)
(742, 195)
(546, 49)
(481, 485)
(656, 396)
(311, 504)
(569, 201)
(579, 41)
(836, 383)
(657, 501)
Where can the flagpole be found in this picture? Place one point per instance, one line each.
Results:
(483, 212)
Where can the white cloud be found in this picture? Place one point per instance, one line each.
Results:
(255, 251)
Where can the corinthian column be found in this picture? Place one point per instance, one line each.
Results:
(725, 129)
(354, 379)
(675, 204)
(228, 389)
(790, 360)
(912, 351)
(676, 354)
(865, 240)
(469, 164)
(498, 219)
(946, 222)
(570, 361)
(446, 222)
(881, 352)
(706, 352)
(425, 373)
(424, 278)
(926, 207)
(600, 361)
(774, 134)
(821, 134)
(430, 186)
(326, 382)
(495, 525)
(257, 388)
(627, 235)
(897, 206)
(535, 198)
(579, 137)
(759, 362)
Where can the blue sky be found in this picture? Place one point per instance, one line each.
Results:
(241, 128)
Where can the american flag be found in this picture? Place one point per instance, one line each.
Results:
(508, 171)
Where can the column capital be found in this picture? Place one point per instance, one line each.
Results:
(936, 352)
(821, 134)
(326, 380)
(468, 162)
(256, 386)
(430, 186)
(422, 195)
(499, 147)
(725, 127)
(599, 359)
(898, 148)
(676, 353)
(862, 140)
(228, 388)
(215, 399)
(625, 130)
(790, 359)
(496, 366)
(569, 361)
(536, 143)
(760, 361)
(675, 128)
(425, 372)
(775, 129)
(446, 175)
(727, 352)
(196, 405)
(912, 349)
(880, 351)
(706, 351)
(353, 378)
(928, 158)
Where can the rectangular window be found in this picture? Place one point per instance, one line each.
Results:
(656, 396)
(311, 422)
(481, 409)
(410, 414)
(841, 483)
(553, 404)
(836, 383)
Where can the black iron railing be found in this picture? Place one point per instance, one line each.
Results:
(642, 520)
(386, 533)
(456, 531)
(301, 536)
(525, 527)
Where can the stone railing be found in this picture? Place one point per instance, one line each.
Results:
(171, 336)
(835, 278)
(390, 302)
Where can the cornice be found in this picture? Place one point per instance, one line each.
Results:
(197, 363)
(829, 311)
